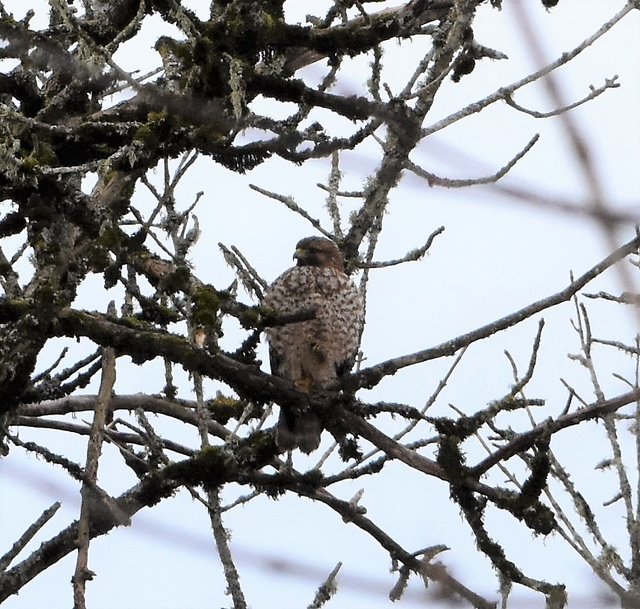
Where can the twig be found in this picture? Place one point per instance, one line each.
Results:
(293, 206)
(434, 180)
(180, 410)
(528, 438)
(430, 401)
(433, 572)
(333, 189)
(110, 434)
(38, 377)
(251, 280)
(86, 361)
(583, 510)
(28, 535)
(624, 298)
(625, 493)
(326, 590)
(353, 194)
(503, 92)
(520, 384)
(411, 256)
(609, 83)
(72, 468)
(224, 552)
(240, 501)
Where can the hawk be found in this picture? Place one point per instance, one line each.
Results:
(312, 353)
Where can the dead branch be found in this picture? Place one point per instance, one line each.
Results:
(369, 377)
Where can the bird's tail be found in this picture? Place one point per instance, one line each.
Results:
(301, 431)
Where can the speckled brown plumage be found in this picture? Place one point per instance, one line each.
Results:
(315, 352)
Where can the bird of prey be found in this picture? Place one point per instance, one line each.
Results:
(315, 352)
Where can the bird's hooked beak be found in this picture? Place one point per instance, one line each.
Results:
(300, 254)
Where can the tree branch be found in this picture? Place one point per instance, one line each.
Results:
(525, 440)
(370, 377)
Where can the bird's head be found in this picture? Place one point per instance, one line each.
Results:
(318, 251)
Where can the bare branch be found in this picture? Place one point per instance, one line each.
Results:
(527, 439)
(94, 449)
(504, 92)
(434, 180)
(28, 535)
(575, 135)
(117, 437)
(411, 256)
(369, 377)
(252, 282)
(326, 590)
(293, 206)
(609, 83)
(221, 537)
